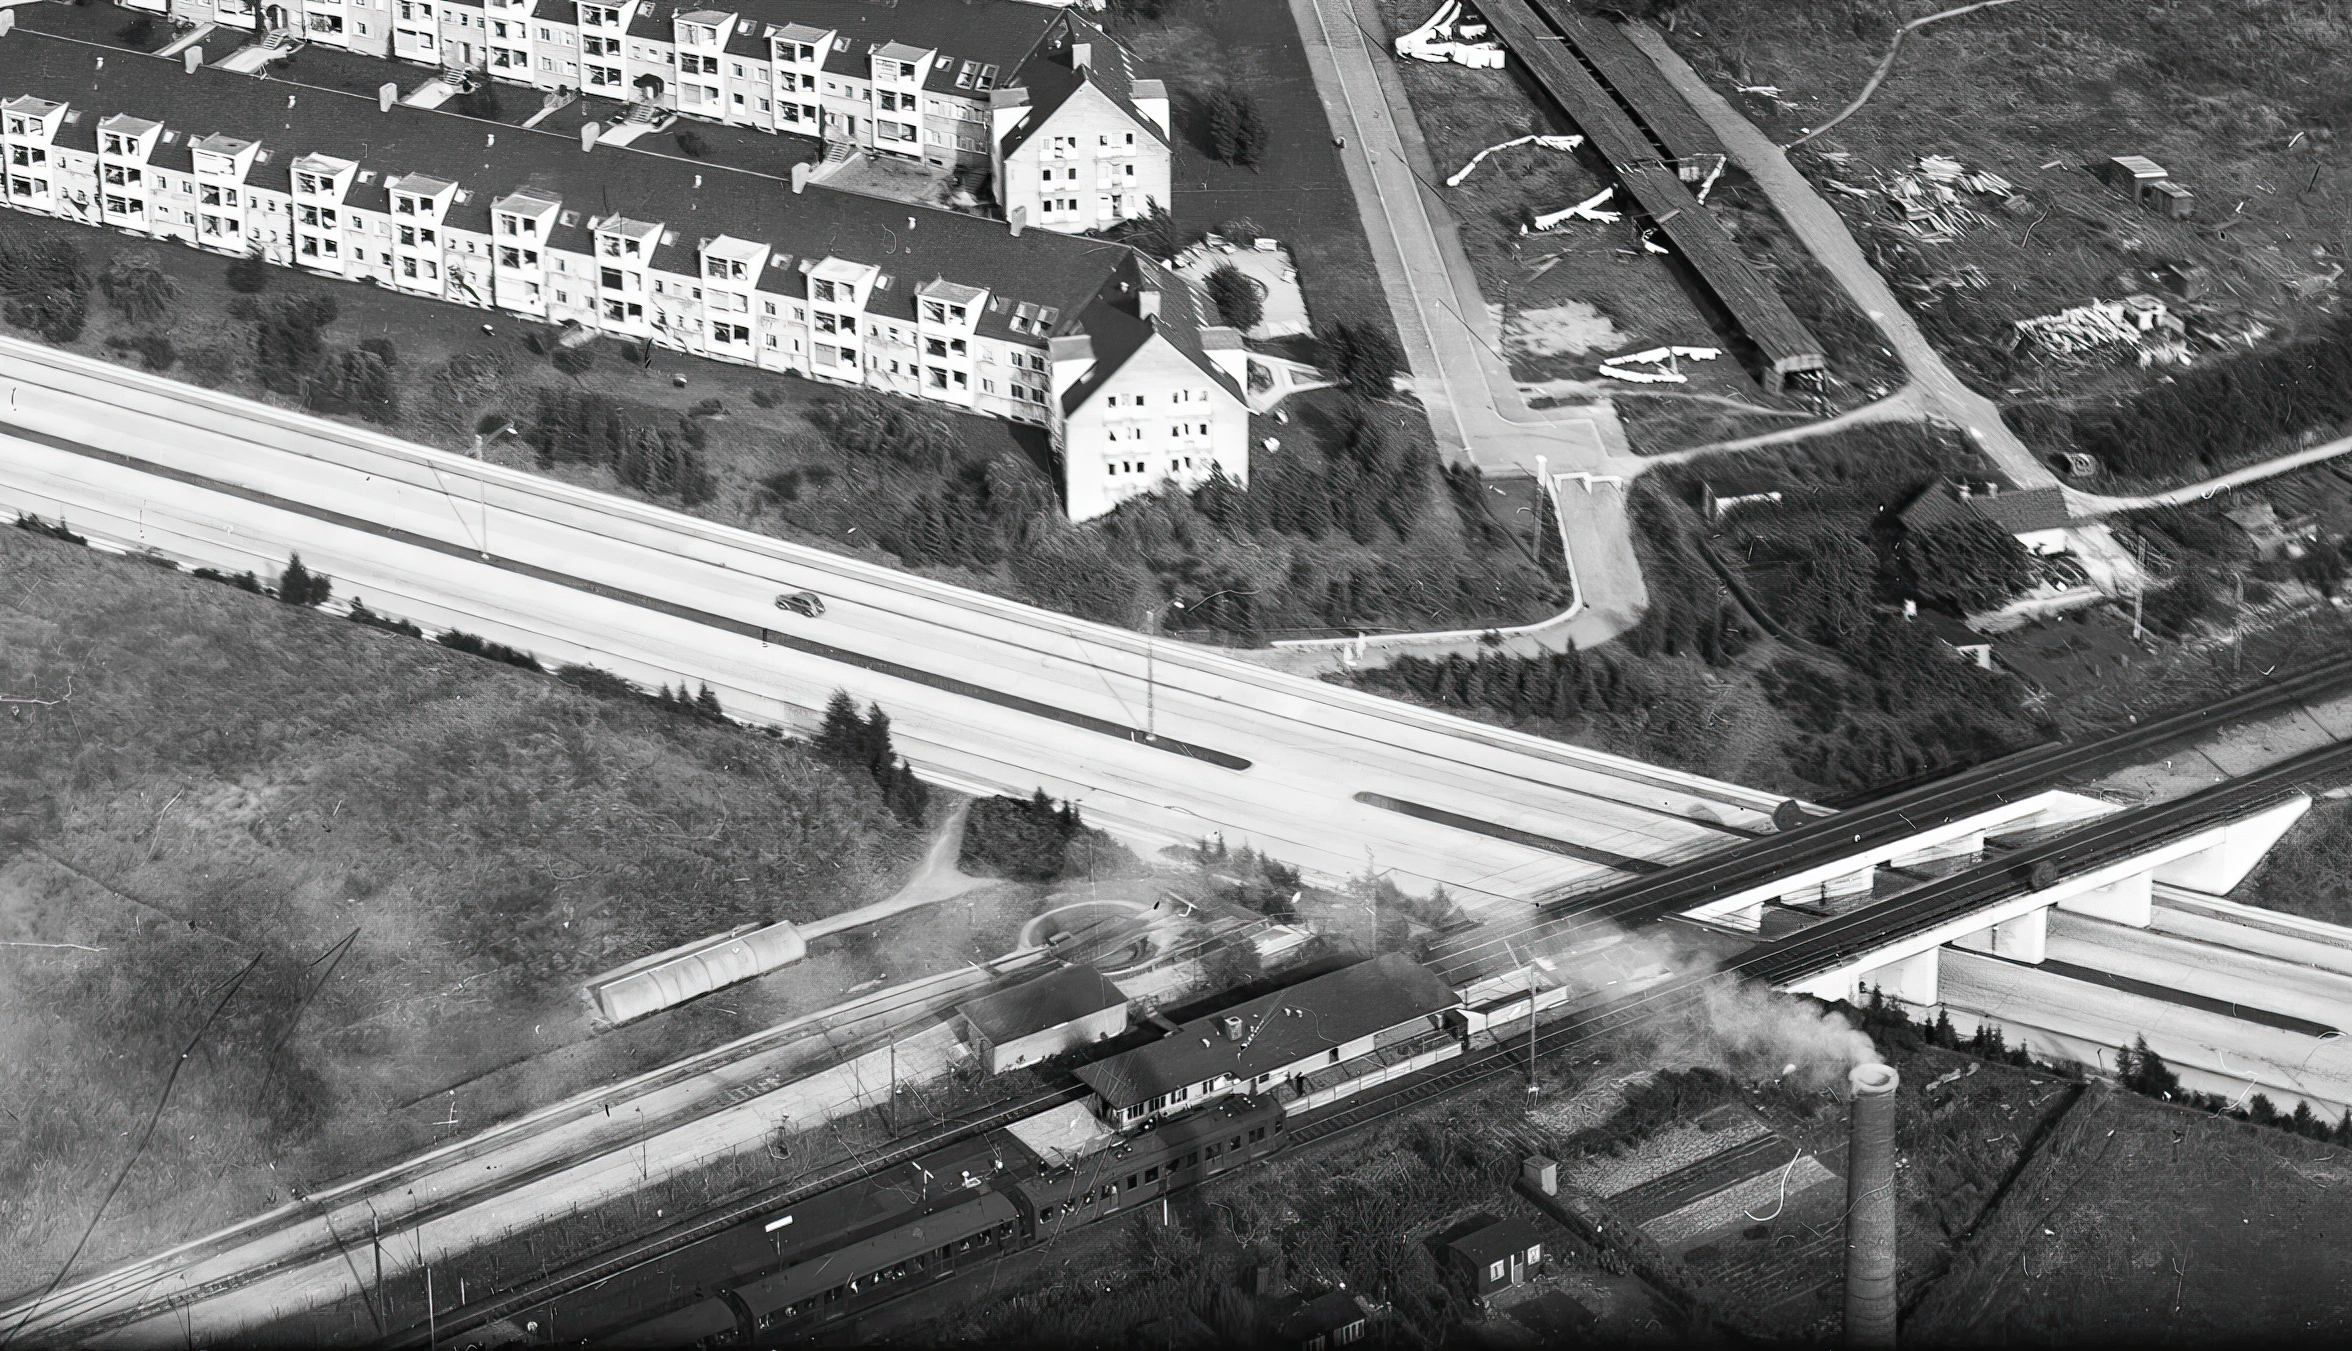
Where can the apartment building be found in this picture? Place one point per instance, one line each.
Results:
(1078, 139)
(1104, 348)
(952, 83)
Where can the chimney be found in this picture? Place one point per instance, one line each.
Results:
(1147, 302)
(192, 59)
(1541, 1173)
(1870, 1209)
(1017, 217)
(800, 176)
(7, 20)
(1232, 1027)
(1963, 490)
(589, 131)
(1081, 55)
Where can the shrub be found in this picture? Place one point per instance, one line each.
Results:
(1364, 357)
(353, 381)
(1033, 840)
(137, 286)
(690, 143)
(361, 614)
(483, 647)
(1236, 297)
(298, 585)
(155, 351)
(861, 744)
(708, 408)
(137, 33)
(243, 581)
(382, 349)
(287, 347)
(26, 521)
(248, 275)
(763, 398)
(1237, 134)
(868, 424)
(57, 316)
(1968, 565)
(601, 683)
(579, 427)
(211, 365)
(573, 361)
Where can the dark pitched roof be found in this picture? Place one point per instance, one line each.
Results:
(1498, 1240)
(1049, 1001)
(1281, 1029)
(1323, 1315)
(1113, 321)
(1050, 73)
(986, 32)
(910, 244)
(2016, 510)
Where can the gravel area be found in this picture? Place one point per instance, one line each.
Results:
(1757, 1198)
(1675, 1147)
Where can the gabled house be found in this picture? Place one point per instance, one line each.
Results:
(1078, 139)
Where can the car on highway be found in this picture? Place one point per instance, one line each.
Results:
(806, 603)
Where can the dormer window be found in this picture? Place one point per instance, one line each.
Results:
(305, 183)
(821, 290)
(114, 144)
(934, 312)
(406, 206)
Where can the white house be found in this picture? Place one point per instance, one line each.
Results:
(1078, 140)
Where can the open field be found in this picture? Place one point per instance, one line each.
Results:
(2242, 103)
(224, 779)
(2142, 1223)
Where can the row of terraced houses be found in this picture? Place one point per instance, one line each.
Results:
(1074, 136)
(1119, 358)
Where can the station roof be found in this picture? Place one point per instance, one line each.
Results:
(1279, 1029)
(1067, 995)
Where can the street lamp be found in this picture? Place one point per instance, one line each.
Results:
(1151, 631)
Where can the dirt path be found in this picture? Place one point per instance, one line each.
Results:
(1904, 405)
(1824, 232)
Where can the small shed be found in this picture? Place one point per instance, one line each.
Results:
(1075, 1006)
(1323, 1323)
(2170, 200)
(1497, 1256)
(2135, 175)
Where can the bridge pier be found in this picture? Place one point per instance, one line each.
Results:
(2025, 938)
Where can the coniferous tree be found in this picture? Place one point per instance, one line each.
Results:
(707, 704)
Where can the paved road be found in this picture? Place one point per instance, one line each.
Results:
(984, 694)
(1452, 337)
(1817, 224)
(2095, 504)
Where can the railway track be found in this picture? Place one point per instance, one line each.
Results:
(2084, 848)
(1681, 885)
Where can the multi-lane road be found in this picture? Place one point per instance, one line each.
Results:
(1163, 742)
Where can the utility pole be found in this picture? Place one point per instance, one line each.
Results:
(2238, 628)
(892, 1114)
(2139, 584)
(1151, 689)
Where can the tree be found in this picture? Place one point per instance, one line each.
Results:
(707, 705)
(298, 585)
(1237, 134)
(1237, 297)
(137, 286)
(867, 423)
(1364, 357)
(248, 275)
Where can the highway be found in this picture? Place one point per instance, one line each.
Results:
(1162, 742)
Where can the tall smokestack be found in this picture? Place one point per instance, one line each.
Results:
(1870, 1209)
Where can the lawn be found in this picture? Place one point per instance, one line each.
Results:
(1298, 192)
(2241, 100)
(223, 779)
(2139, 1223)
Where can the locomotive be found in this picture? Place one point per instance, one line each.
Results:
(842, 1252)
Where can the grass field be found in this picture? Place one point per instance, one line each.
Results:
(2139, 1223)
(2241, 100)
(223, 778)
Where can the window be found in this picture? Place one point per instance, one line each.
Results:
(1494, 1272)
(1151, 1174)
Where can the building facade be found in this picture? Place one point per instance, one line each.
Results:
(918, 80)
(1040, 1019)
(1102, 347)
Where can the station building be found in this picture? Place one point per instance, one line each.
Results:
(1109, 351)
(1039, 1019)
(1275, 1041)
